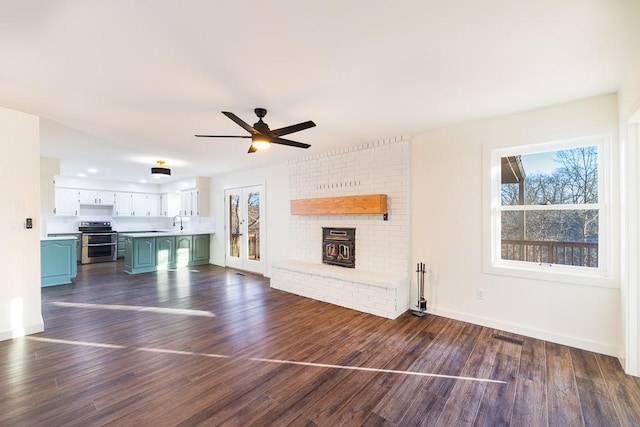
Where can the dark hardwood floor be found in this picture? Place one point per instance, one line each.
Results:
(213, 346)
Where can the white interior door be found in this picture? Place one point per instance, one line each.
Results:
(245, 235)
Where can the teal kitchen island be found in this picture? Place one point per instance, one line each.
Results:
(152, 251)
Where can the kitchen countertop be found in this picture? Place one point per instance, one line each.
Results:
(42, 239)
(164, 233)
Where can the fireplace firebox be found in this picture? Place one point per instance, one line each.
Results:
(339, 246)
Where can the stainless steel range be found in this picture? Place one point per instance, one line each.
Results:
(99, 242)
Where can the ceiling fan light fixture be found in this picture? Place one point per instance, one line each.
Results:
(260, 143)
(261, 136)
(160, 171)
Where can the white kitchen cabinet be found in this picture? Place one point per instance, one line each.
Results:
(66, 202)
(185, 202)
(170, 204)
(154, 204)
(194, 202)
(145, 204)
(96, 197)
(122, 205)
(86, 197)
(106, 197)
(138, 204)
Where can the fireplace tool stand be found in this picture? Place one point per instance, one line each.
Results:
(421, 308)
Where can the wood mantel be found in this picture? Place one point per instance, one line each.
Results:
(370, 204)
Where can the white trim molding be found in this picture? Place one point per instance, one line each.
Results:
(630, 250)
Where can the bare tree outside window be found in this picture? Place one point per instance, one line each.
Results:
(551, 215)
(234, 222)
(253, 227)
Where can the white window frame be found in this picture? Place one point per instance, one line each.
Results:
(593, 276)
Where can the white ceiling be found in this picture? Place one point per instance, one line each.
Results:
(139, 78)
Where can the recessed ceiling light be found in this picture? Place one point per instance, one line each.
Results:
(82, 175)
(143, 181)
(93, 170)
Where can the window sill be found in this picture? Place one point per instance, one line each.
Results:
(553, 273)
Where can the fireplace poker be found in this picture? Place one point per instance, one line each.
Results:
(421, 307)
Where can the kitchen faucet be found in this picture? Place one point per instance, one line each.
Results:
(174, 222)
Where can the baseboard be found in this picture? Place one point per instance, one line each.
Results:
(28, 330)
(596, 347)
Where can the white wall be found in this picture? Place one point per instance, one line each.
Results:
(629, 93)
(275, 179)
(106, 185)
(20, 311)
(447, 212)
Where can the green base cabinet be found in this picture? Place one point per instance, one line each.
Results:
(200, 249)
(165, 252)
(140, 255)
(183, 250)
(78, 237)
(145, 254)
(120, 246)
(58, 261)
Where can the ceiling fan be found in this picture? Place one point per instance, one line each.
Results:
(261, 136)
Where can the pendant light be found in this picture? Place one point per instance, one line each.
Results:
(160, 171)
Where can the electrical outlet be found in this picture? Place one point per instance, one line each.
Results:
(29, 223)
(480, 294)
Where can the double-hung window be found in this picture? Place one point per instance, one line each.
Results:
(549, 216)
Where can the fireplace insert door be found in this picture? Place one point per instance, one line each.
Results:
(244, 209)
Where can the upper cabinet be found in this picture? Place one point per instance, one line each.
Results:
(154, 204)
(194, 202)
(66, 202)
(170, 203)
(186, 201)
(138, 204)
(129, 201)
(122, 206)
(96, 197)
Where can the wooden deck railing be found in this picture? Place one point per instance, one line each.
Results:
(581, 254)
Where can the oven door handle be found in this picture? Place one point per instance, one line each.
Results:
(99, 244)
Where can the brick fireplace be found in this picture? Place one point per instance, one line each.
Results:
(379, 281)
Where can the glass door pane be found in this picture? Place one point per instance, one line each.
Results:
(253, 225)
(234, 225)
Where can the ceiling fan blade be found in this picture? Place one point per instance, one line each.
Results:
(223, 136)
(244, 125)
(293, 128)
(289, 142)
(252, 149)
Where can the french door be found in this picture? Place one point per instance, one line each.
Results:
(245, 237)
